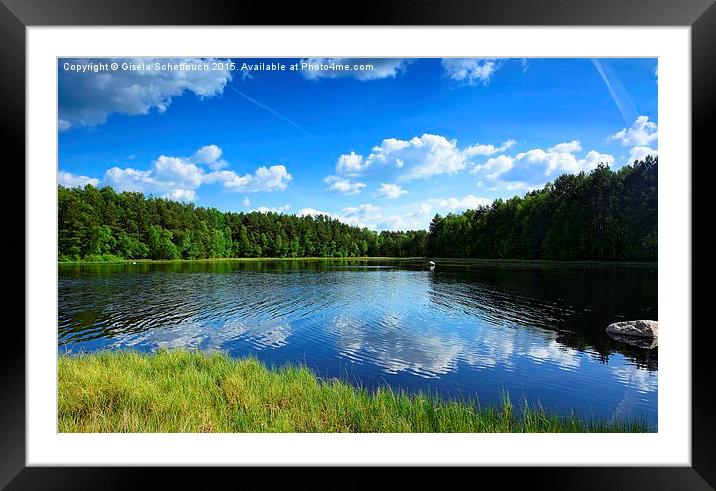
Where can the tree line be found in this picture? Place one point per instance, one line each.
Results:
(603, 215)
(101, 224)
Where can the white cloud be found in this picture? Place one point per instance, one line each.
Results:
(593, 158)
(63, 125)
(569, 147)
(561, 159)
(311, 212)
(274, 178)
(210, 155)
(481, 149)
(351, 164)
(73, 181)
(390, 191)
(370, 216)
(273, 209)
(469, 202)
(229, 179)
(207, 154)
(516, 173)
(640, 153)
(246, 202)
(413, 216)
(419, 157)
(343, 185)
(515, 186)
(641, 133)
(365, 215)
(131, 179)
(88, 98)
(177, 172)
(181, 195)
(494, 166)
(360, 68)
(179, 177)
(469, 71)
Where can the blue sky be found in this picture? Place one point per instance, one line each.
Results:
(382, 143)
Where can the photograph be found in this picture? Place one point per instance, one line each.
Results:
(357, 245)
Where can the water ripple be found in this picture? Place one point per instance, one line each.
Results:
(460, 333)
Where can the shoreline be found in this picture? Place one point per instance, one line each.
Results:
(444, 260)
(183, 391)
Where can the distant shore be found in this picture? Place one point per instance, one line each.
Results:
(181, 391)
(439, 260)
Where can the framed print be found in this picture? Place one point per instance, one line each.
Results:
(434, 237)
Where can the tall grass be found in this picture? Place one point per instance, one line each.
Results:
(180, 391)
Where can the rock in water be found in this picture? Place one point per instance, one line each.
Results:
(638, 341)
(641, 328)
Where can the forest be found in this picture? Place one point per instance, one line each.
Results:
(603, 215)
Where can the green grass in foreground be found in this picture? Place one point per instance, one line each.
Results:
(179, 391)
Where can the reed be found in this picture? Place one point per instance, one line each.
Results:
(181, 391)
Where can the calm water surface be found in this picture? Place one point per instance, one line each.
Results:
(467, 330)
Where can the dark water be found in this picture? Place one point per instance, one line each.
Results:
(468, 330)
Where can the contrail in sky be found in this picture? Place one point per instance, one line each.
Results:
(277, 114)
(619, 94)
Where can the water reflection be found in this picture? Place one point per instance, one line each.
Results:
(467, 330)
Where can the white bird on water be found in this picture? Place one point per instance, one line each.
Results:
(432, 264)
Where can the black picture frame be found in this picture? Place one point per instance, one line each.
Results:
(700, 15)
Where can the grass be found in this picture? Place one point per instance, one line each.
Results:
(180, 391)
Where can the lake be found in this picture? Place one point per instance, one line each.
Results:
(465, 329)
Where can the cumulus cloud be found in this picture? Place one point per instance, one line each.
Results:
(470, 71)
(311, 212)
(88, 98)
(246, 202)
(419, 157)
(481, 149)
(412, 216)
(351, 164)
(562, 159)
(641, 133)
(594, 158)
(494, 166)
(640, 153)
(390, 191)
(361, 68)
(210, 155)
(180, 177)
(569, 147)
(181, 195)
(273, 209)
(469, 202)
(365, 215)
(273, 178)
(73, 181)
(371, 216)
(517, 173)
(343, 185)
